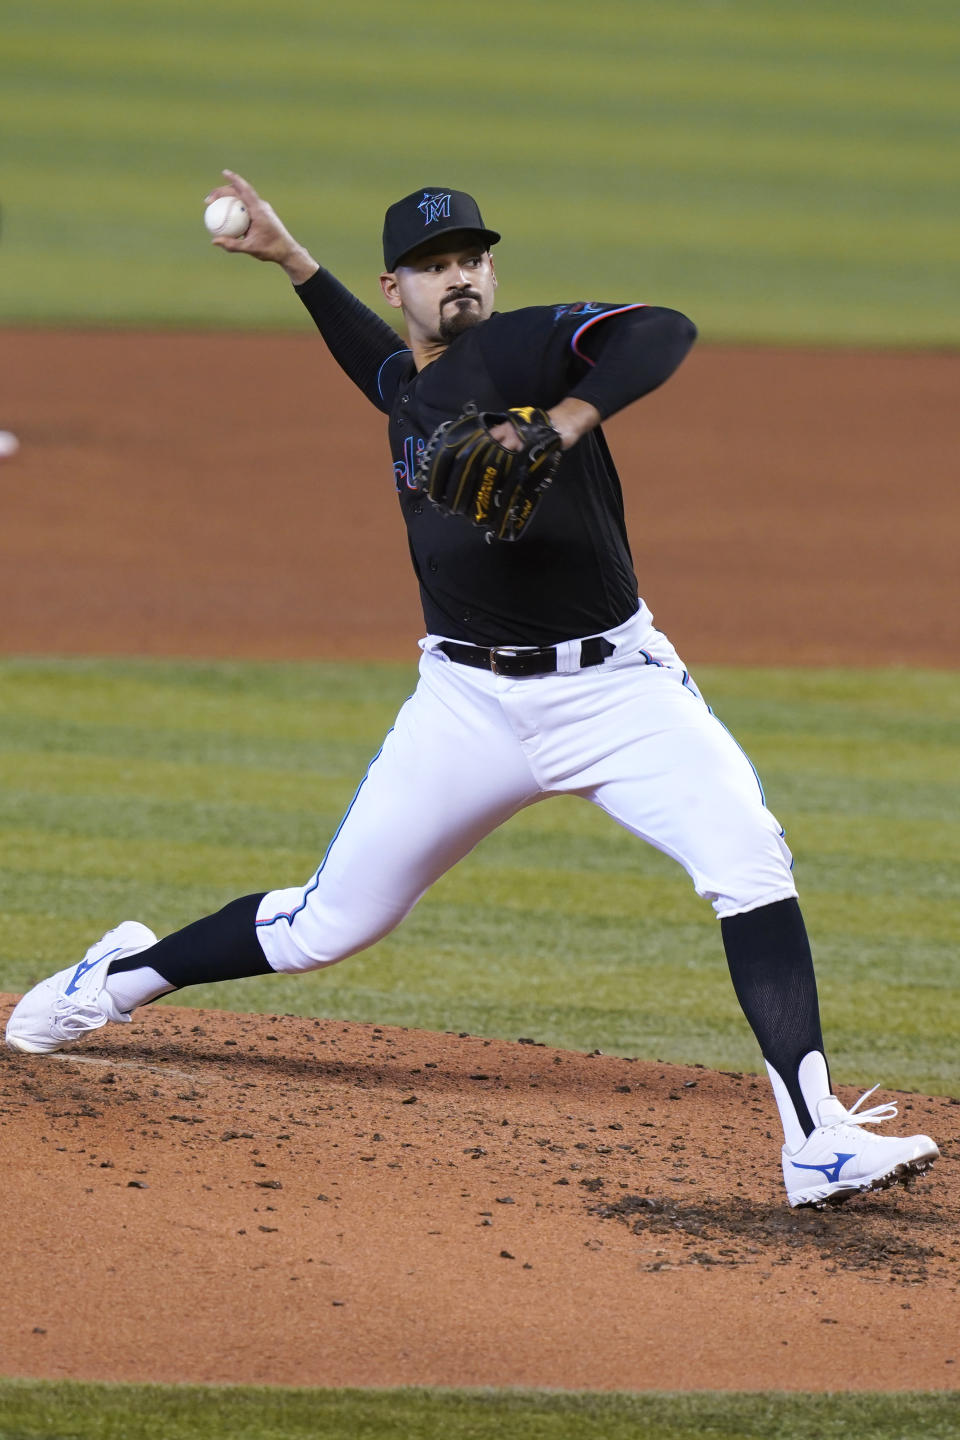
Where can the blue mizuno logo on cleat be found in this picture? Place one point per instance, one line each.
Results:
(82, 969)
(831, 1173)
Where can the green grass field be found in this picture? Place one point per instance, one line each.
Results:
(32, 1411)
(780, 172)
(159, 791)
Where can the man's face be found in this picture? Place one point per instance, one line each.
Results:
(444, 293)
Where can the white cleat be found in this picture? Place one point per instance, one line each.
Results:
(64, 1008)
(838, 1160)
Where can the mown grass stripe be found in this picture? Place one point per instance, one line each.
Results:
(779, 173)
(34, 1410)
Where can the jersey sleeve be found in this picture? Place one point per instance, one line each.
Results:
(607, 354)
(365, 347)
(615, 354)
(628, 350)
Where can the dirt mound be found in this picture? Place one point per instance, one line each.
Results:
(203, 1196)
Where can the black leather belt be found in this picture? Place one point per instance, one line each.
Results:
(516, 663)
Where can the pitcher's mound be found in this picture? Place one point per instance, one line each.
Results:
(210, 1197)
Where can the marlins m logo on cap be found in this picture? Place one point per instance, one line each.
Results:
(423, 216)
(434, 207)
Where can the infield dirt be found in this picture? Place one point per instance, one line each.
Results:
(209, 1197)
(212, 1197)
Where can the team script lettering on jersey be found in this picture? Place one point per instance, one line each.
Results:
(404, 470)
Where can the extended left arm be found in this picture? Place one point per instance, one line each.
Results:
(629, 352)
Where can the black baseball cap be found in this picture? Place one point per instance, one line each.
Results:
(434, 210)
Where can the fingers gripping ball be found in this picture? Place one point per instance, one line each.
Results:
(227, 216)
(465, 471)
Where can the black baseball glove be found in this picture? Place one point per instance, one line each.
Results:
(464, 471)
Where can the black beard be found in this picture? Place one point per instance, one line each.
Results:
(455, 319)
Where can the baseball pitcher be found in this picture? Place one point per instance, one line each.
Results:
(541, 672)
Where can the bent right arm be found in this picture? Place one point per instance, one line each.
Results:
(356, 337)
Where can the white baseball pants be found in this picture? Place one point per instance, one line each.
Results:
(470, 748)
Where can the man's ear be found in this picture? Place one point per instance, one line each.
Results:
(493, 271)
(391, 291)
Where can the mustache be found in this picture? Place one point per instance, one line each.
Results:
(465, 294)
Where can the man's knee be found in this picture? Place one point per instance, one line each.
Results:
(308, 935)
(754, 869)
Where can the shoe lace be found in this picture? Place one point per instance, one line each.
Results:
(77, 1017)
(873, 1116)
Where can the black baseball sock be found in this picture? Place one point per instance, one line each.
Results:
(772, 971)
(223, 946)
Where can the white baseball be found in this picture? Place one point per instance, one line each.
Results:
(9, 444)
(227, 216)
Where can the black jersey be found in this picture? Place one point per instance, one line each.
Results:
(571, 573)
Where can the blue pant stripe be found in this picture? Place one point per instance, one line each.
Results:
(290, 915)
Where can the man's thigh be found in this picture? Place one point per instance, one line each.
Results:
(448, 773)
(667, 770)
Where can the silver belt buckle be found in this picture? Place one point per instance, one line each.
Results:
(494, 651)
